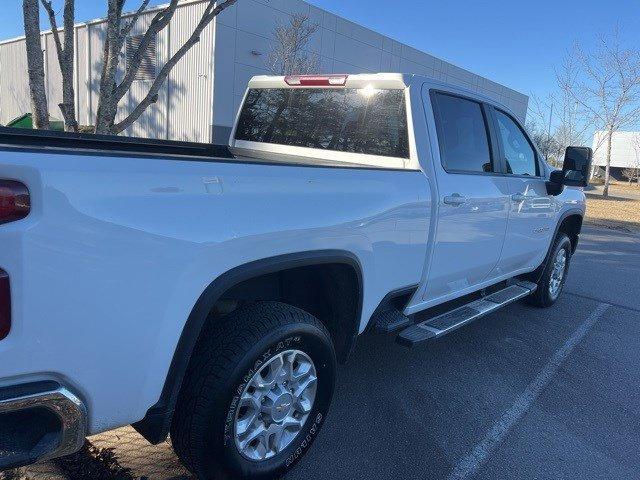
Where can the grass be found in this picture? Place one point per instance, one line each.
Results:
(614, 212)
(625, 187)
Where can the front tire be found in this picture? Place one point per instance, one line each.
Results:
(257, 391)
(554, 276)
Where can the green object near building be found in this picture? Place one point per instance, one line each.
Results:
(26, 121)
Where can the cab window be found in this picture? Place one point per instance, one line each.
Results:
(370, 122)
(520, 156)
(462, 135)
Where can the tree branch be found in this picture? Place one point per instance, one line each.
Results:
(107, 106)
(54, 27)
(152, 96)
(159, 22)
(127, 29)
(65, 59)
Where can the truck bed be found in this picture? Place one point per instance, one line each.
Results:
(119, 246)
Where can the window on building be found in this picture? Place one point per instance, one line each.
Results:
(462, 134)
(148, 66)
(519, 154)
(344, 120)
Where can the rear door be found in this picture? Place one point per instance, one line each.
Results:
(473, 199)
(531, 209)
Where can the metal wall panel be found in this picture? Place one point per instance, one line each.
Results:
(53, 75)
(14, 90)
(153, 122)
(191, 83)
(82, 83)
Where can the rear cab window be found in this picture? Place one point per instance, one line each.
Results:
(345, 120)
(363, 124)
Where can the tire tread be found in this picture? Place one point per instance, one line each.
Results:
(221, 347)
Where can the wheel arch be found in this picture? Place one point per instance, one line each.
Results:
(569, 223)
(155, 425)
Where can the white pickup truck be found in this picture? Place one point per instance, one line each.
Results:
(208, 292)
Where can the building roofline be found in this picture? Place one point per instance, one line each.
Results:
(96, 21)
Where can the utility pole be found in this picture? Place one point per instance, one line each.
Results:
(549, 134)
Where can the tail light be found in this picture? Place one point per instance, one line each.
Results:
(5, 305)
(15, 202)
(316, 80)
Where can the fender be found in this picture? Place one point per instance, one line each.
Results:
(537, 273)
(563, 217)
(156, 423)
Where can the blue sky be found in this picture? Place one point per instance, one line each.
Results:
(513, 42)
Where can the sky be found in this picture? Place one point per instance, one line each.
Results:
(515, 43)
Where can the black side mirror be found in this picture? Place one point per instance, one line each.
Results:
(555, 185)
(576, 166)
(575, 170)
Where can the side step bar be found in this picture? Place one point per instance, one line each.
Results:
(389, 321)
(445, 323)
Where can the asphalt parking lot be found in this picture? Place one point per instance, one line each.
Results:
(524, 393)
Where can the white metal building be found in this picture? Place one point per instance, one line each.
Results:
(625, 149)
(203, 92)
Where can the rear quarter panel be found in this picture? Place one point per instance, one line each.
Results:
(116, 252)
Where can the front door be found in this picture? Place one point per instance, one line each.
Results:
(473, 200)
(532, 209)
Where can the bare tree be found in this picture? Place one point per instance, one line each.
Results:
(555, 124)
(118, 27)
(630, 174)
(571, 127)
(290, 49)
(65, 53)
(633, 173)
(539, 126)
(111, 92)
(605, 84)
(35, 61)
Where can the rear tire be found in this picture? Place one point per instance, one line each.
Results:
(553, 277)
(216, 400)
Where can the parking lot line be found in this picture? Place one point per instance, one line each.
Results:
(471, 463)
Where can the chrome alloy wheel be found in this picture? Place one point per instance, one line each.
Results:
(557, 274)
(275, 405)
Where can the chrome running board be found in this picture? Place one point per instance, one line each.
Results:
(440, 325)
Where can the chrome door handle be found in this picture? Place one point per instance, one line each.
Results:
(456, 200)
(518, 197)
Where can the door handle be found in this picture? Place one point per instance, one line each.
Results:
(455, 200)
(518, 197)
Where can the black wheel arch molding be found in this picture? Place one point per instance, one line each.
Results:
(536, 275)
(155, 425)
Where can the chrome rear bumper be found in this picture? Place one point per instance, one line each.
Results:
(22, 407)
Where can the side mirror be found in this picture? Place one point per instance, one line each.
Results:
(575, 170)
(576, 166)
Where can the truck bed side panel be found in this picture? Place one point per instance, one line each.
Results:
(116, 252)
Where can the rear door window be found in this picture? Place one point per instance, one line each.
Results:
(462, 134)
(366, 121)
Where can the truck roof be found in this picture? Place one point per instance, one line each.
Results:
(361, 80)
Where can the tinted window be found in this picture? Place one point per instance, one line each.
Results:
(368, 121)
(462, 135)
(519, 154)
